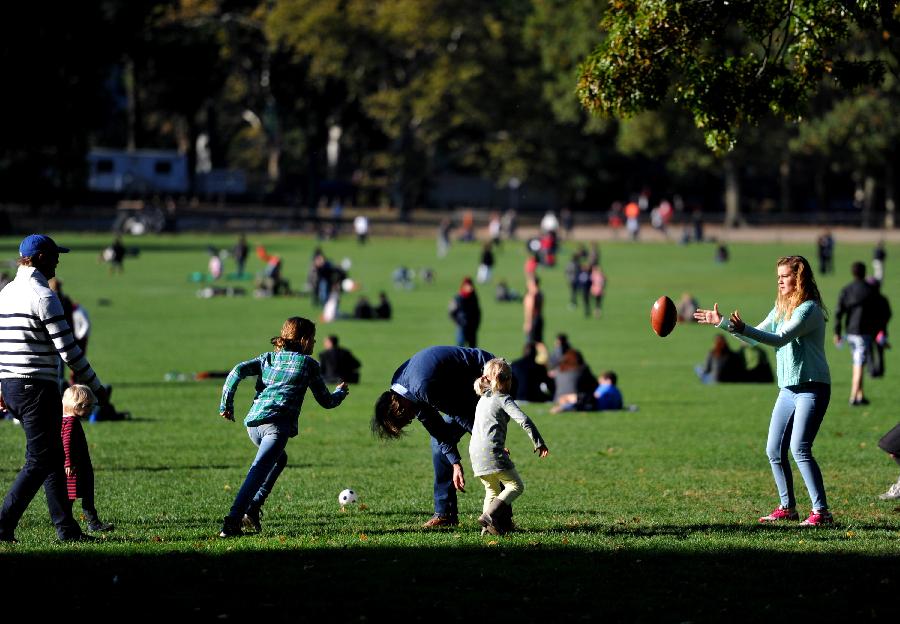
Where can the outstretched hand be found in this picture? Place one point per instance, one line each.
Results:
(737, 322)
(708, 317)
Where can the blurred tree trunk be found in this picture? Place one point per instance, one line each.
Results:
(732, 194)
(784, 180)
(866, 190)
(890, 200)
(131, 104)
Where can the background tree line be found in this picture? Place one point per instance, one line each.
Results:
(786, 105)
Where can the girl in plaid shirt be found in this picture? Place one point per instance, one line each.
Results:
(283, 376)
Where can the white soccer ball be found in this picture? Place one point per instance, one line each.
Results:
(347, 497)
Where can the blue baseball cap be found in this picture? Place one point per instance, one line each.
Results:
(36, 243)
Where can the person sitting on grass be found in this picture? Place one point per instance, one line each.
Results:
(606, 397)
(77, 404)
(490, 459)
(337, 363)
(283, 378)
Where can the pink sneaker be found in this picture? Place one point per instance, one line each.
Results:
(781, 513)
(818, 518)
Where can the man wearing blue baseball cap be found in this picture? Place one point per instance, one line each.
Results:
(35, 334)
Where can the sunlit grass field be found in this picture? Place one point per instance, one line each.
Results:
(650, 515)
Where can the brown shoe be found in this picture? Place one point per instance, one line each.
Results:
(438, 521)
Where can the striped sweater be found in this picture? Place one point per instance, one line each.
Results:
(78, 457)
(34, 333)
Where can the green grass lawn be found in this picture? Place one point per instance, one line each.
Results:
(648, 515)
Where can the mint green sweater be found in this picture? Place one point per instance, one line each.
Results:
(799, 343)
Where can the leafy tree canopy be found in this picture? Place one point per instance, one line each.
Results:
(730, 63)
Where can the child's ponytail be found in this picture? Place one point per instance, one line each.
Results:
(297, 334)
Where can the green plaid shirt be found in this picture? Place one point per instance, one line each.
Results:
(282, 380)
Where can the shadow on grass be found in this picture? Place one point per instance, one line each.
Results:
(466, 583)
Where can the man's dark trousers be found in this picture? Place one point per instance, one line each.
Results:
(38, 406)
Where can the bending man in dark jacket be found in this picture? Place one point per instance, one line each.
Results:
(435, 386)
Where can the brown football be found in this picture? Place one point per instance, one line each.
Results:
(663, 316)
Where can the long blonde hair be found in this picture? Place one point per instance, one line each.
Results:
(805, 290)
(496, 377)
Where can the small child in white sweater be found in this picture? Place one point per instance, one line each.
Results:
(490, 458)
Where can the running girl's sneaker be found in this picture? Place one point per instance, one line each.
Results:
(781, 513)
(818, 518)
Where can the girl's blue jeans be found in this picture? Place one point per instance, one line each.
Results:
(796, 418)
(270, 460)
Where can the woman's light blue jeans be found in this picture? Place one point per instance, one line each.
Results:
(796, 417)
(270, 460)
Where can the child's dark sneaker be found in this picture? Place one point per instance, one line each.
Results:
(98, 526)
(252, 520)
(231, 527)
(781, 513)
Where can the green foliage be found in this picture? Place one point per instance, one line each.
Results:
(728, 64)
(858, 133)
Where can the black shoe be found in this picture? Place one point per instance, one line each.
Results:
(98, 526)
(251, 520)
(231, 527)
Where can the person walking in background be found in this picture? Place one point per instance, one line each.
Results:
(486, 266)
(796, 328)
(443, 237)
(533, 307)
(466, 313)
(115, 256)
(881, 316)
(825, 246)
(597, 288)
(495, 230)
(632, 220)
(283, 376)
(571, 272)
(36, 334)
(434, 386)
(878, 258)
(240, 251)
(855, 314)
(78, 402)
(509, 223)
(583, 286)
(361, 227)
(487, 447)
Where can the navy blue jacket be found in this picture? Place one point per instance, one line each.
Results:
(442, 379)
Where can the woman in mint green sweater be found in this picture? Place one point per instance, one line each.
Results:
(796, 328)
